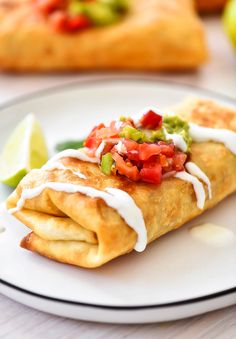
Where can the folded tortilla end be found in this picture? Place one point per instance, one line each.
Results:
(25, 242)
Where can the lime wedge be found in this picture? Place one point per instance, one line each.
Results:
(25, 150)
(229, 20)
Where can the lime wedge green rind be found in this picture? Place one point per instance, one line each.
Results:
(15, 179)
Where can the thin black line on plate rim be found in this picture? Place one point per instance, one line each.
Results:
(123, 308)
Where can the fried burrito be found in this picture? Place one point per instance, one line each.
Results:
(75, 35)
(133, 181)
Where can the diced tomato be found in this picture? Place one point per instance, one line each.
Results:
(58, 21)
(112, 141)
(47, 6)
(146, 162)
(148, 150)
(107, 132)
(123, 168)
(133, 155)
(77, 22)
(92, 141)
(179, 160)
(151, 120)
(116, 125)
(169, 165)
(151, 175)
(167, 149)
(163, 160)
(132, 150)
(131, 145)
(98, 127)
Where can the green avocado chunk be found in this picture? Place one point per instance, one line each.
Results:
(76, 8)
(175, 124)
(117, 5)
(101, 14)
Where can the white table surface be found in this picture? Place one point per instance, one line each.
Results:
(18, 321)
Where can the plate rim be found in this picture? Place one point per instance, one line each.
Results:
(207, 297)
(93, 80)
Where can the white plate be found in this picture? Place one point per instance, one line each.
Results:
(177, 276)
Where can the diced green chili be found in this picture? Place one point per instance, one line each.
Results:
(132, 133)
(106, 163)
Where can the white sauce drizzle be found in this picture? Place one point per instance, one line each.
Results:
(193, 169)
(213, 235)
(120, 147)
(115, 198)
(178, 140)
(100, 149)
(197, 185)
(224, 136)
(58, 165)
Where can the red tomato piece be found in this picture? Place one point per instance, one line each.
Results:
(151, 175)
(107, 132)
(148, 150)
(77, 22)
(163, 160)
(58, 21)
(92, 140)
(167, 149)
(123, 168)
(133, 155)
(47, 6)
(132, 148)
(179, 160)
(131, 145)
(151, 120)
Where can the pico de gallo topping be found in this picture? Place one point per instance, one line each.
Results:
(70, 16)
(140, 150)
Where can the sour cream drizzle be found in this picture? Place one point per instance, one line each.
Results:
(178, 140)
(197, 185)
(193, 169)
(115, 198)
(120, 147)
(100, 149)
(58, 165)
(203, 134)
